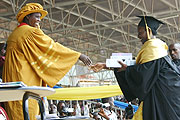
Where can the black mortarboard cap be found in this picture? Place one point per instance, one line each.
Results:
(152, 23)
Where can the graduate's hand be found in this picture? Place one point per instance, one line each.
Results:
(85, 59)
(123, 66)
(98, 66)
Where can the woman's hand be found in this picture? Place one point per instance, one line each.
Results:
(85, 59)
(98, 66)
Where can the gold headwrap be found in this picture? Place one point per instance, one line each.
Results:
(30, 8)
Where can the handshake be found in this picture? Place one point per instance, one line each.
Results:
(117, 60)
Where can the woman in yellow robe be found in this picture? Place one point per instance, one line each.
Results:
(34, 58)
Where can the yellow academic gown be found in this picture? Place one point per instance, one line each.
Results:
(151, 50)
(34, 58)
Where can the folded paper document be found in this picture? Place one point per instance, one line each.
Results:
(126, 58)
(12, 84)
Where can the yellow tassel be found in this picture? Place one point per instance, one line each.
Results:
(148, 36)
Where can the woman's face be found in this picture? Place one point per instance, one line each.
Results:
(34, 19)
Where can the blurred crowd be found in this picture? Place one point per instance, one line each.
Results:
(98, 109)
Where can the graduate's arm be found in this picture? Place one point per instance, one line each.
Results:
(137, 80)
(99, 66)
(142, 77)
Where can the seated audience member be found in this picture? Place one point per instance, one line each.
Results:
(96, 116)
(86, 109)
(174, 50)
(60, 107)
(129, 112)
(2, 58)
(3, 113)
(106, 113)
(53, 109)
(77, 109)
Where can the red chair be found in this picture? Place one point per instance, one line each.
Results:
(3, 114)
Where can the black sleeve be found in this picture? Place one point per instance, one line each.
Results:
(138, 80)
(120, 76)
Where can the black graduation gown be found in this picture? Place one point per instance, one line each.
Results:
(157, 84)
(177, 62)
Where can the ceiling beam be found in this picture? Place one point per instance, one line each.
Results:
(168, 3)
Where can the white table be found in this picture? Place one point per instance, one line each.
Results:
(24, 93)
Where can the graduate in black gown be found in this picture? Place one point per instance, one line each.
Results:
(154, 80)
